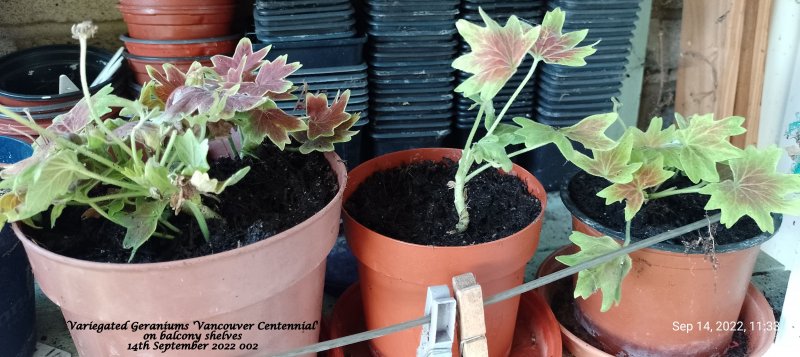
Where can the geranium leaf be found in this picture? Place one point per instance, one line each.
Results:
(188, 100)
(651, 174)
(192, 152)
(590, 131)
(157, 180)
(140, 224)
(78, 117)
(606, 277)
(614, 165)
(492, 149)
(272, 122)
(556, 48)
(243, 58)
(52, 178)
(535, 135)
(271, 78)
(496, 53)
(508, 133)
(322, 120)
(172, 79)
(656, 142)
(705, 142)
(755, 190)
(341, 134)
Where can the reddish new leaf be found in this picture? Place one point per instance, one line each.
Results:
(271, 122)
(322, 120)
(172, 79)
(243, 57)
(271, 78)
(78, 117)
(556, 48)
(188, 100)
(341, 134)
(651, 174)
(496, 53)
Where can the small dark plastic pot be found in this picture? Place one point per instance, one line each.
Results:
(415, 36)
(598, 107)
(596, 4)
(17, 301)
(408, 116)
(410, 73)
(139, 64)
(286, 4)
(179, 23)
(549, 165)
(413, 99)
(353, 102)
(601, 13)
(410, 108)
(341, 265)
(503, 16)
(302, 30)
(331, 70)
(378, 57)
(555, 98)
(333, 86)
(320, 53)
(409, 83)
(268, 19)
(413, 47)
(181, 48)
(403, 127)
(351, 152)
(589, 73)
(396, 26)
(30, 77)
(386, 143)
(431, 90)
(322, 78)
(344, 5)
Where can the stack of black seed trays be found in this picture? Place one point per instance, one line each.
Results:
(320, 34)
(529, 11)
(564, 95)
(412, 44)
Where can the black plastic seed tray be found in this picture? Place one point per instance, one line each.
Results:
(319, 53)
(261, 11)
(384, 143)
(267, 38)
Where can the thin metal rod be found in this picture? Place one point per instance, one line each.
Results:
(547, 279)
(359, 337)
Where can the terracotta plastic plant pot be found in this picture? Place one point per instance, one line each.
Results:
(756, 311)
(171, 3)
(17, 300)
(395, 275)
(536, 335)
(279, 279)
(139, 64)
(179, 22)
(181, 48)
(666, 288)
(9, 127)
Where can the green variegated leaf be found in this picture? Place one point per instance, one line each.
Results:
(496, 53)
(705, 142)
(590, 131)
(492, 149)
(52, 178)
(606, 277)
(556, 48)
(508, 133)
(614, 165)
(141, 224)
(756, 189)
(535, 134)
(156, 179)
(651, 174)
(656, 142)
(192, 151)
(489, 114)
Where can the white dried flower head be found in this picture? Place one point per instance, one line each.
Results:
(83, 30)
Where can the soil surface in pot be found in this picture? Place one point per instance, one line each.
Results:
(563, 306)
(413, 203)
(281, 190)
(659, 215)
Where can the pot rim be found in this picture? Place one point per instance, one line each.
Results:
(336, 164)
(536, 185)
(126, 38)
(663, 246)
(130, 56)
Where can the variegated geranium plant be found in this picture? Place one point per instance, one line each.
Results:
(739, 182)
(140, 169)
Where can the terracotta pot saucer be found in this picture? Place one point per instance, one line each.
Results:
(756, 310)
(536, 333)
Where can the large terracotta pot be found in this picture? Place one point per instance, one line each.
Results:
(179, 22)
(181, 48)
(668, 289)
(279, 279)
(138, 65)
(395, 275)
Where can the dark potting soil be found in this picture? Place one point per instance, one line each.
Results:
(281, 190)
(659, 215)
(413, 203)
(563, 306)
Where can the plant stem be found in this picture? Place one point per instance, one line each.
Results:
(171, 227)
(484, 167)
(168, 150)
(102, 213)
(110, 181)
(474, 129)
(235, 152)
(460, 186)
(627, 233)
(673, 192)
(514, 96)
(115, 196)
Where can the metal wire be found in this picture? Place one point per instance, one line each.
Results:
(519, 290)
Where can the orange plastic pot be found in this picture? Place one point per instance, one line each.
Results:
(181, 48)
(179, 22)
(170, 3)
(394, 275)
(755, 312)
(276, 280)
(138, 65)
(668, 291)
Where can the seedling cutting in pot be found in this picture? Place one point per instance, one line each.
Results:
(154, 156)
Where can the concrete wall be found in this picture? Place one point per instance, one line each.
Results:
(30, 23)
